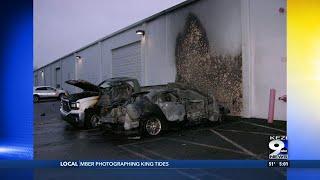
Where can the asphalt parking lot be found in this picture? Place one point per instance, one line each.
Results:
(233, 139)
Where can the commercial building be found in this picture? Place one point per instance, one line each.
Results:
(235, 49)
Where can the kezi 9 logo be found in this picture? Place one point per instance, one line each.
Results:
(278, 147)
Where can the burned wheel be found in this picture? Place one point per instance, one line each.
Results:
(91, 119)
(61, 96)
(153, 126)
(94, 121)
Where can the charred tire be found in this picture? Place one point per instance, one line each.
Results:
(36, 98)
(91, 119)
(61, 96)
(153, 126)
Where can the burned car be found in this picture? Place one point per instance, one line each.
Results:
(151, 112)
(80, 109)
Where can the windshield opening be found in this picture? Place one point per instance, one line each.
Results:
(104, 85)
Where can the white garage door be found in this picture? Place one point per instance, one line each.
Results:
(126, 61)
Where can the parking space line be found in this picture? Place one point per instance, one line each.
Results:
(221, 125)
(179, 171)
(235, 144)
(149, 158)
(215, 176)
(254, 124)
(263, 155)
(216, 126)
(152, 152)
(250, 132)
(167, 158)
(187, 174)
(134, 153)
(207, 145)
(141, 142)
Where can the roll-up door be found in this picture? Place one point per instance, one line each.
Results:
(126, 61)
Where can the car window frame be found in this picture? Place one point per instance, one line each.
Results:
(171, 94)
(50, 89)
(41, 88)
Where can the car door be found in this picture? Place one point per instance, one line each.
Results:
(171, 107)
(41, 91)
(51, 92)
(195, 105)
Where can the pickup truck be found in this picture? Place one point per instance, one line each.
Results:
(80, 109)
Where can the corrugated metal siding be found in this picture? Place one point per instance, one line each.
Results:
(119, 40)
(41, 77)
(35, 78)
(57, 77)
(68, 72)
(88, 68)
(47, 76)
(126, 61)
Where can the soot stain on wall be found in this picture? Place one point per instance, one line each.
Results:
(209, 72)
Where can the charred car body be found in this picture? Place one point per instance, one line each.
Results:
(120, 105)
(153, 111)
(80, 109)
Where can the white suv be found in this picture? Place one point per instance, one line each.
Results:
(46, 92)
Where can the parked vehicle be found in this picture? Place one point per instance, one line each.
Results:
(80, 109)
(151, 112)
(46, 92)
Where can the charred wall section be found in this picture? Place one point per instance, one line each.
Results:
(200, 67)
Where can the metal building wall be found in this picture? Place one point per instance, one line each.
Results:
(126, 61)
(35, 78)
(53, 67)
(68, 72)
(88, 66)
(264, 54)
(48, 75)
(220, 19)
(41, 77)
(119, 40)
(229, 26)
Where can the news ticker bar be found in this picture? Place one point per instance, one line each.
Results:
(158, 164)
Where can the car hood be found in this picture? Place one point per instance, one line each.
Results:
(85, 85)
(82, 95)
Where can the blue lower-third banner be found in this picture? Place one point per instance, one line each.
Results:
(174, 164)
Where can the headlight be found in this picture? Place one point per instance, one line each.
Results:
(75, 105)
